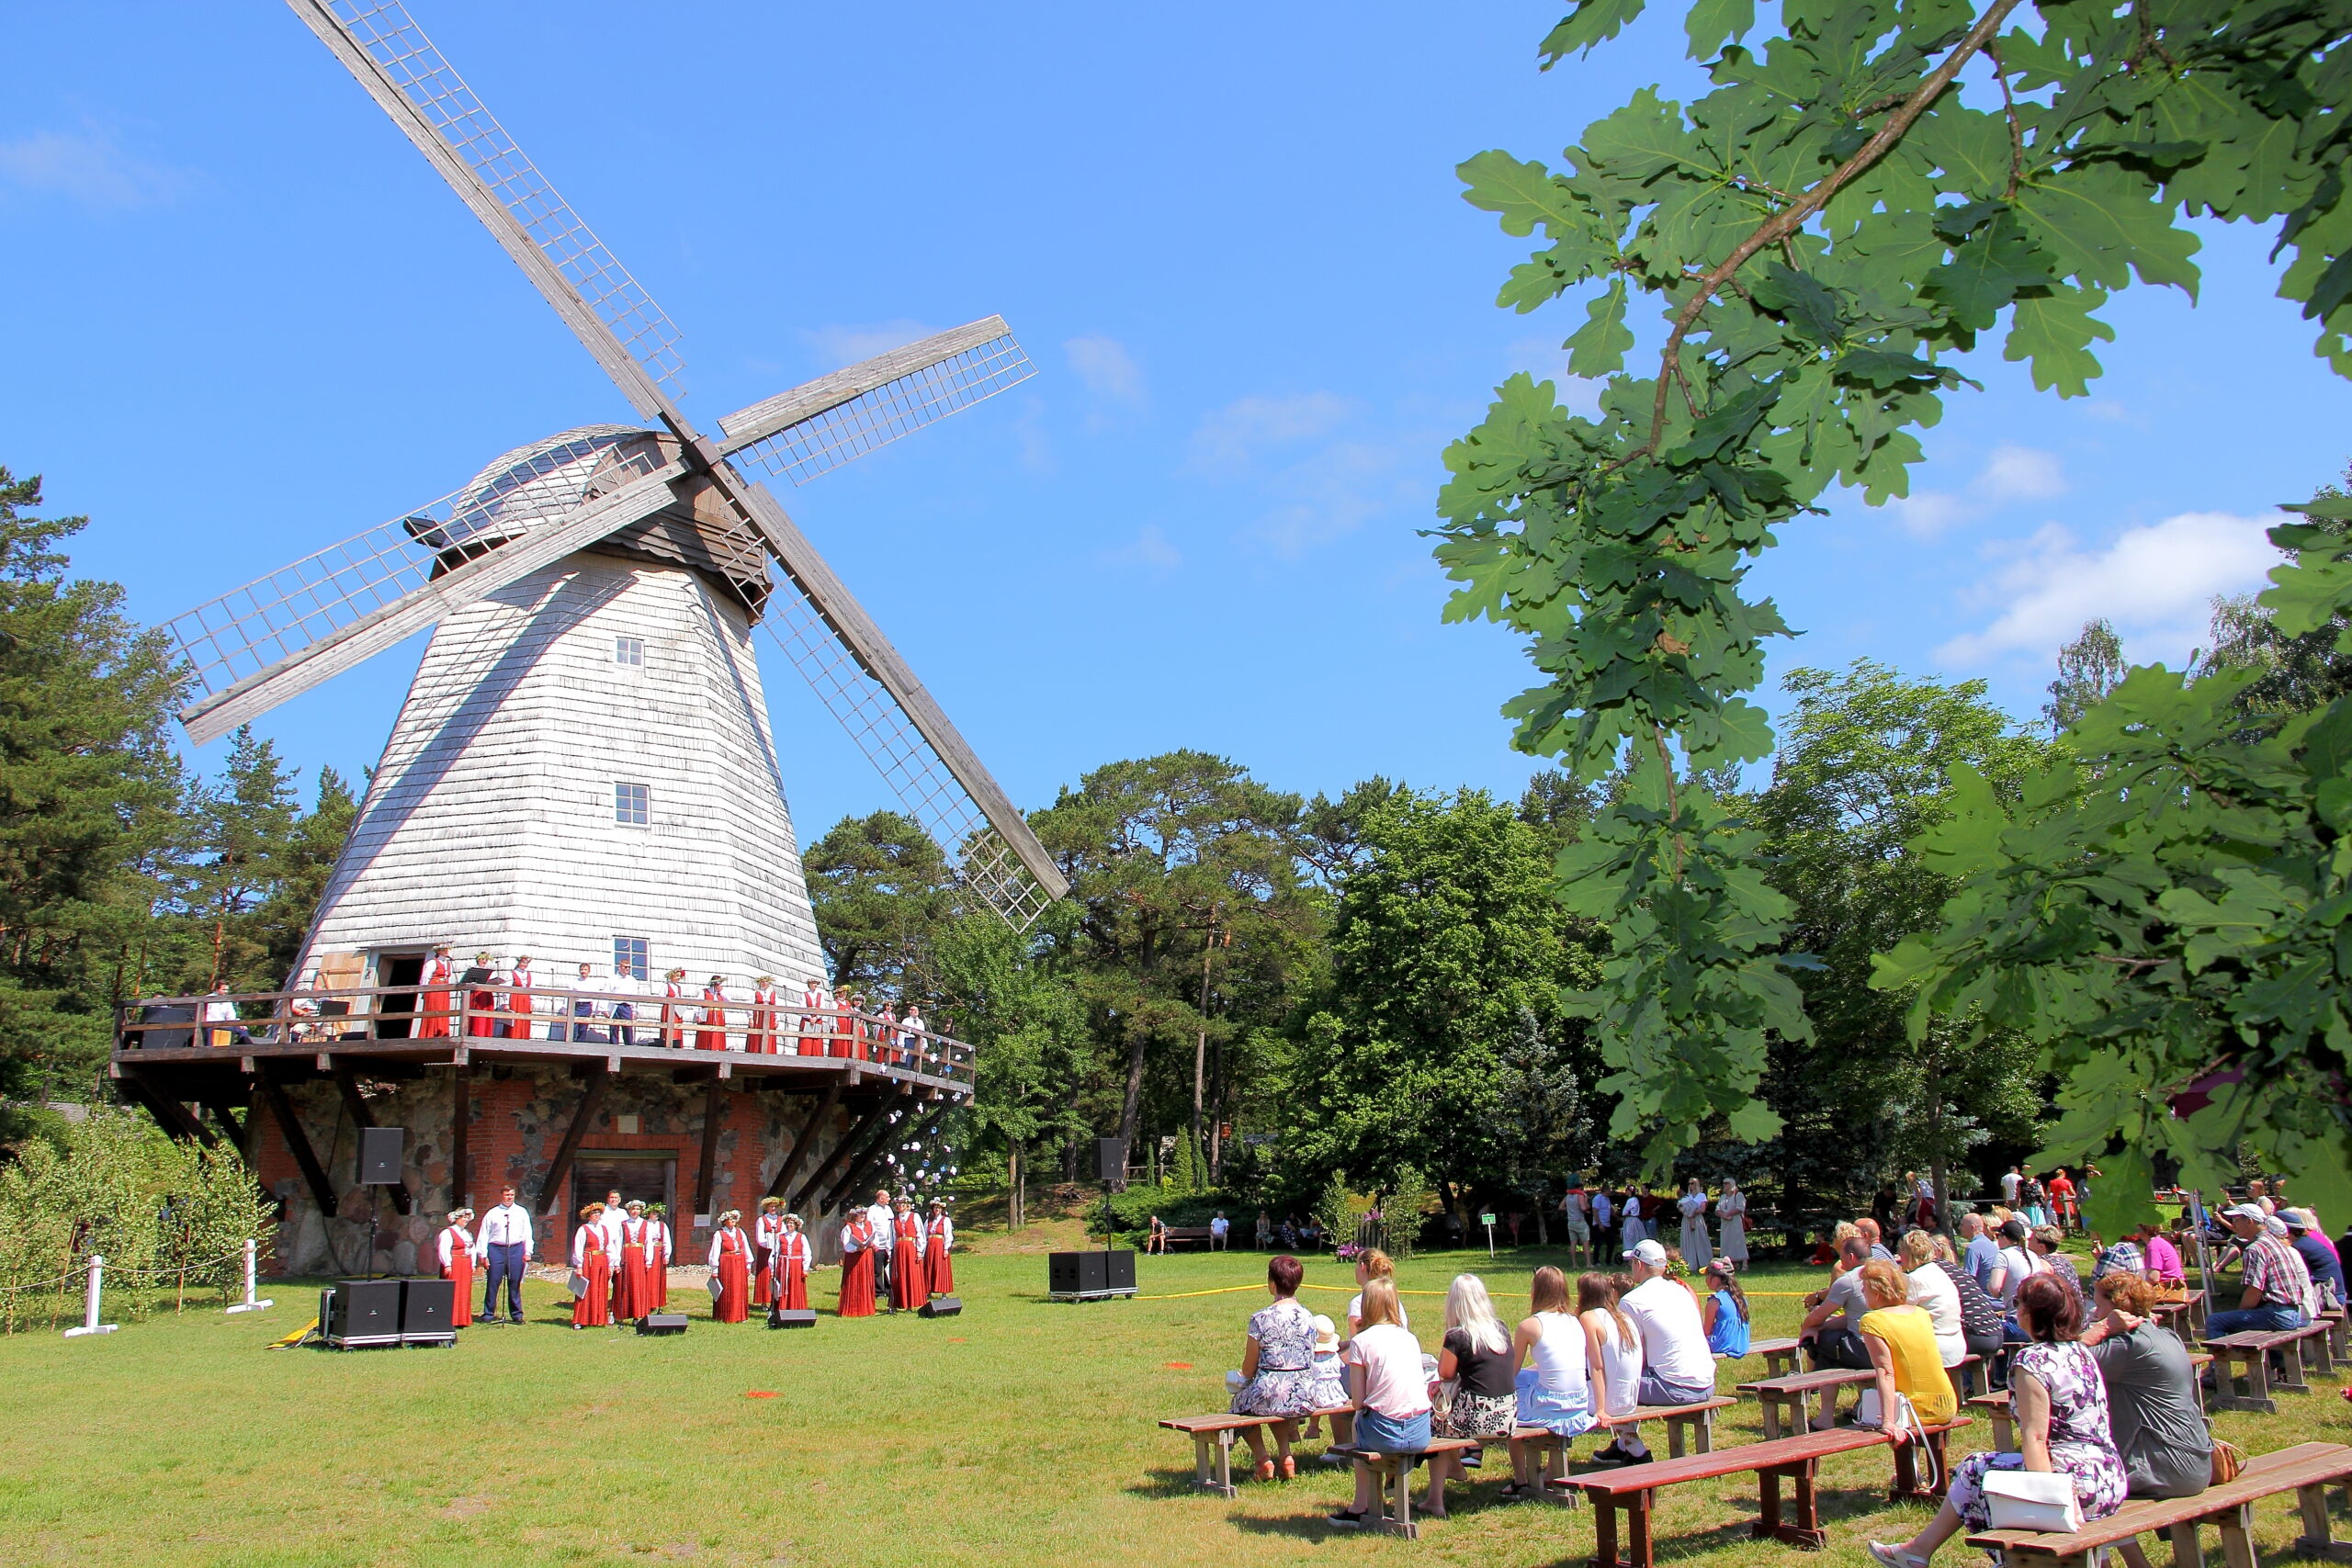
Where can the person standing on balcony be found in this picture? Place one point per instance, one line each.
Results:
(712, 1034)
(760, 1040)
(673, 988)
(434, 1023)
(911, 1030)
(584, 1009)
(480, 981)
(813, 1003)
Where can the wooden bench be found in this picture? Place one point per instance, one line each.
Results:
(2005, 1431)
(1630, 1489)
(2339, 1341)
(1391, 1476)
(1689, 1428)
(2243, 1360)
(1176, 1236)
(1780, 1356)
(2180, 1314)
(1784, 1398)
(1213, 1438)
(2307, 1470)
(2321, 1338)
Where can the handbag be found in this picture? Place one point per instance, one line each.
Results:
(2229, 1462)
(1905, 1424)
(2032, 1500)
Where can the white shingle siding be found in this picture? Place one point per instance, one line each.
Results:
(490, 821)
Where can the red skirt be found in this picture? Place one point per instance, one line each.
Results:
(907, 1288)
(764, 1282)
(481, 1026)
(734, 1290)
(940, 1274)
(595, 1310)
(460, 1273)
(433, 1020)
(857, 1285)
(632, 1284)
(791, 1286)
(710, 1039)
(657, 1271)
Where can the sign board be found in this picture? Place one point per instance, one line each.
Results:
(1486, 1219)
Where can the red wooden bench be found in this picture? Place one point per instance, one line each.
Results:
(1785, 1399)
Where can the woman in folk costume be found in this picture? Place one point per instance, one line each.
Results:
(482, 1001)
(1731, 1212)
(659, 1250)
(938, 1272)
(730, 1265)
(673, 1014)
(767, 1232)
(517, 1003)
(813, 1003)
(712, 1035)
(846, 1042)
(593, 1309)
(1693, 1204)
(433, 1022)
(632, 1282)
(857, 1266)
(457, 1265)
(907, 1287)
(792, 1261)
(760, 1039)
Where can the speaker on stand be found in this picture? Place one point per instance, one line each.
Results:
(380, 1152)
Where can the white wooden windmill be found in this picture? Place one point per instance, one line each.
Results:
(585, 756)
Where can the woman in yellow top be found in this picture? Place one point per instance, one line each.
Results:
(1902, 1342)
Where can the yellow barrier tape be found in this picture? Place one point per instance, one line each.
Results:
(1345, 1289)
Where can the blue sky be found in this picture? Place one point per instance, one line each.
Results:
(249, 321)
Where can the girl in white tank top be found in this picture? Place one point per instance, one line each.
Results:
(1621, 1356)
(1559, 1356)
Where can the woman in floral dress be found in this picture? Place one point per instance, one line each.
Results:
(2061, 1406)
(1278, 1367)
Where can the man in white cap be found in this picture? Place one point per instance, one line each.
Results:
(1676, 1366)
(2277, 1288)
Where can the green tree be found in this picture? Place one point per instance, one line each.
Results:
(1005, 994)
(1445, 938)
(1820, 231)
(282, 922)
(88, 793)
(2088, 669)
(245, 839)
(1862, 773)
(882, 891)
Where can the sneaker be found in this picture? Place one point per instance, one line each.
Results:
(1347, 1519)
(1614, 1453)
(1644, 1457)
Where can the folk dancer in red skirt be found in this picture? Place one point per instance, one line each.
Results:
(433, 1022)
(592, 1308)
(767, 1231)
(844, 1042)
(674, 1015)
(857, 1267)
(456, 1247)
(659, 1251)
(760, 1038)
(731, 1267)
(518, 1001)
(907, 1288)
(940, 1240)
(712, 1035)
(633, 1280)
(482, 999)
(813, 1003)
(793, 1261)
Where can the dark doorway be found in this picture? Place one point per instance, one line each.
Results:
(649, 1174)
(396, 1011)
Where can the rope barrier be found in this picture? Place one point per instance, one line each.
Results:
(1346, 1290)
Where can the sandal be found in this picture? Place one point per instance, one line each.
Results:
(1894, 1556)
(1289, 1468)
(1347, 1519)
(1515, 1492)
(1265, 1470)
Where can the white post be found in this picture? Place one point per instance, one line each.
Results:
(90, 1324)
(250, 1303)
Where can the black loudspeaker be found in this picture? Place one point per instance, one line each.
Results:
(1111, 1159)
(941, 1306)
(791, 1317)
(662, 1323)
(166, 1039)
(379, 1156)
(1119, 1270)
(427, 1307)
(362, 1311)
(1076, 1273)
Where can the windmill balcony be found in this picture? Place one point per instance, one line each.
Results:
(323, 1029)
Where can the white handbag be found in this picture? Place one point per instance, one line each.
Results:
(1904, 1423)
(2032, 1500)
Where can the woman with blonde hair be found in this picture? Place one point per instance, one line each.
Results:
(1476, 1359)
(1388, 1386)
(1372, 1264)
(1901, 1339)
(1556, 1356)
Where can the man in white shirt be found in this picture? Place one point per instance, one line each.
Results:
(2010, 1185)
(886, 1230)
(220, 1014)
(583, 1007)
(1219, 1228)
(504, 1242)
(624, 991)
(1573, 1214)
(1676, 1366)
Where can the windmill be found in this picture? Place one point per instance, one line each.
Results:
(593, 597)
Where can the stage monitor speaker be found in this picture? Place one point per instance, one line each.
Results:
(791, 1317)
(1119, 1270)
(426, 1307)
(941, 1306)
(166, 1039)
(379, 1156)
(662, 1323)
(1111, 1159)
(364, 1310)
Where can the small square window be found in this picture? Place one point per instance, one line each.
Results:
(630, 802)
(628, 958)
(628, 650)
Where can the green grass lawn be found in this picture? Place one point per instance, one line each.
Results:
(1022, 1432)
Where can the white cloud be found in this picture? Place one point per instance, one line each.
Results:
(2154, 582)
(1248, 428)
(1333, 492)
(1150, 549)
(2011, 473)
(1928, 513)
(1105, 368)
(847, 346)
(87, 167)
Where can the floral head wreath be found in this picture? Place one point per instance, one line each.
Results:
(456, 1214)
(732, 1216)
(770, 1202)
(591, 1210)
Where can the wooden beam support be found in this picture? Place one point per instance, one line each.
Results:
(842, 1152)
(239, 1131)
(806, 1144)
(357, 1103)
(273, 1094)
(461, 1114)
(914, 1132)
(551, 1185)
(169, 1113)
(714, 1117)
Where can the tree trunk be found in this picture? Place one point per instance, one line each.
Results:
(1014, 1216)
(1937, 1169)
(1130, 1107)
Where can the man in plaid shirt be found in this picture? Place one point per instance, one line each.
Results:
(2279, 1292)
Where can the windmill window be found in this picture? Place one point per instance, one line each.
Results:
(630, 650)
(629, 957)
(631, 803)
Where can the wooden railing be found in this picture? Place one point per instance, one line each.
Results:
(593, 1021)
